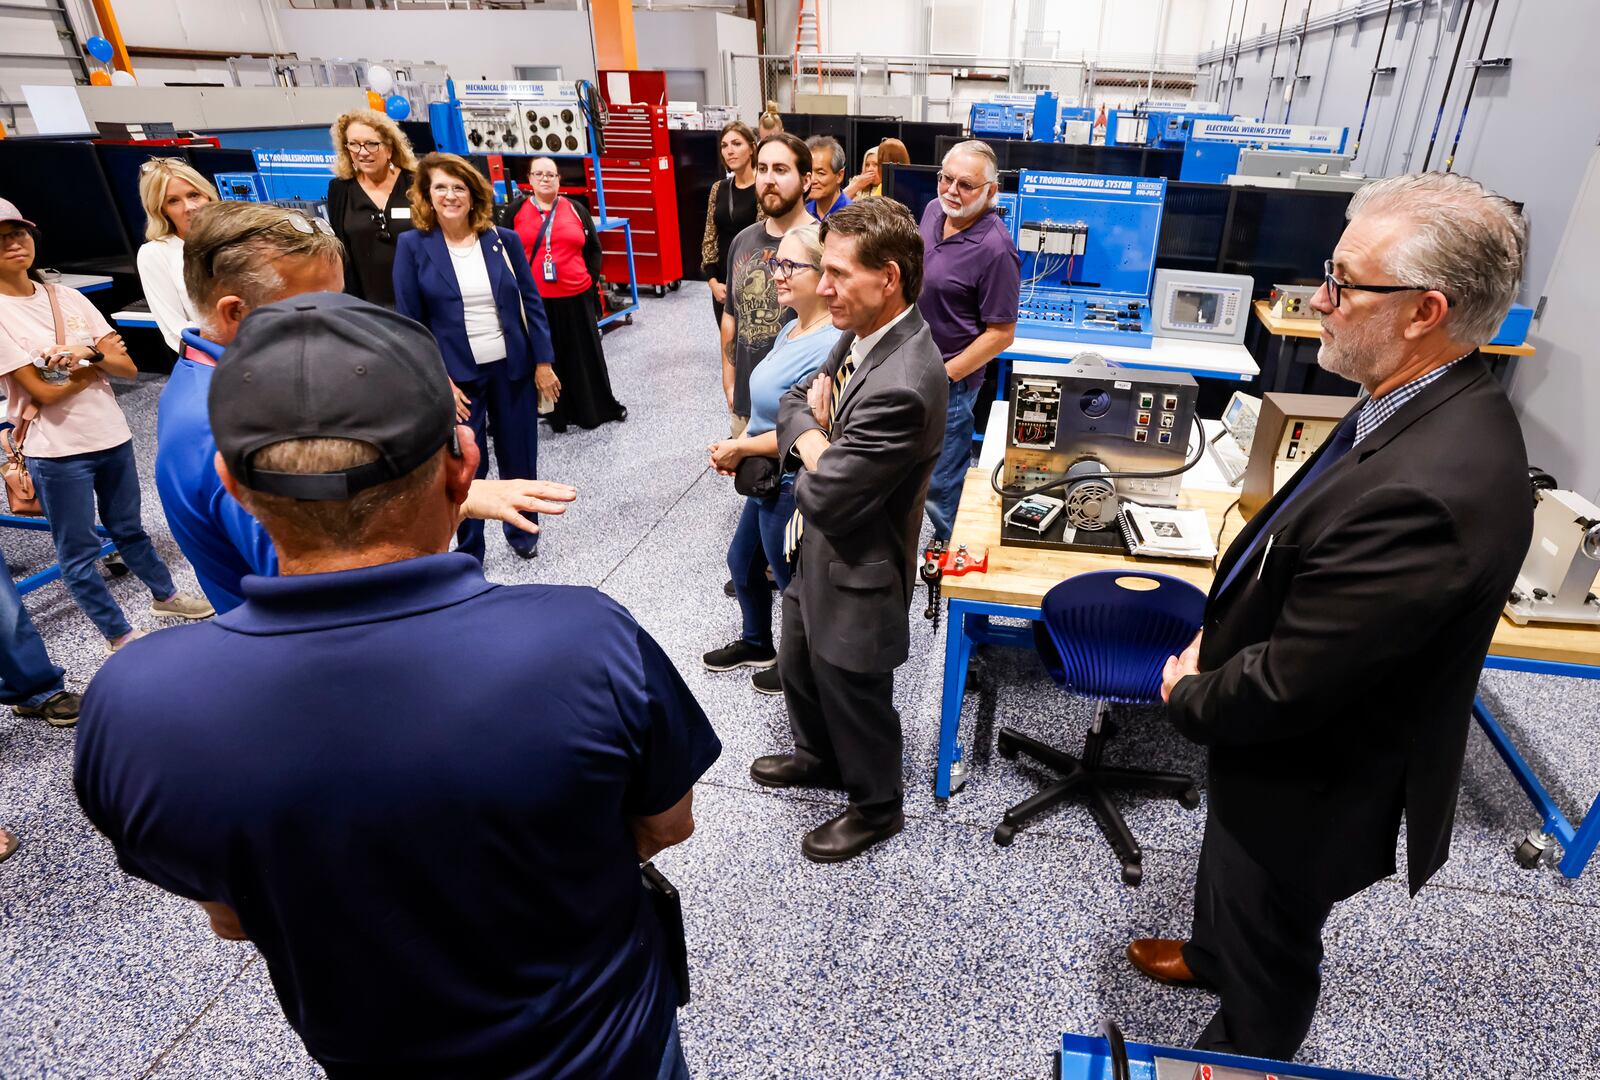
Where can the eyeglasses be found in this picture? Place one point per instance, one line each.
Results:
(1335, 286)
(966, 187)
(297, 221)
(381, 220)
(159, 163)
(783, 269)
(14, 237)
(370, 147)
(545, 175)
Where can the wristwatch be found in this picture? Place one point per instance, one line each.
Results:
(96, 356)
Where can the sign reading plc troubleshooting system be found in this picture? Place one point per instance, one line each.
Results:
(1088, 246)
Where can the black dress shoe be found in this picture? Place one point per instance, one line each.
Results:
(847, 836)
(727, 588)
(526, 552)
(783, 770)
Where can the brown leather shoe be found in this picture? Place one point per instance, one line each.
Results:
(1162, 960)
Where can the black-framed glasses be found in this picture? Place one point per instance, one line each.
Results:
(783, 269)
(1335, 286)
(381, 221)
(966, 187)
(371, 146)
(297, 221)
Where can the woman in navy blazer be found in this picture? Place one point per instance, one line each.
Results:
(469, 283)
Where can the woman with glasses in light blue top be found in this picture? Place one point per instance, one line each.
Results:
(752, 459)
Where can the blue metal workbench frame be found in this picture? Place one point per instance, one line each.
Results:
(1085, 1057)
(40, 578)
(969, 626)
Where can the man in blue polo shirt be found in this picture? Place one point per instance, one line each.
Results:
(972, 280)
(237, 257)
(424, 797)
(824, 192)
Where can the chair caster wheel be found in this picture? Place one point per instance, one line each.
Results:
(1003, 834)
(1531, 852)
(1132, 873)
(1189, 799)
(1007, 749)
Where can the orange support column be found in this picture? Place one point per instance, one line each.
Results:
(113, 34)
(613, 34)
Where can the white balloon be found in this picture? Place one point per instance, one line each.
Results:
(380, 78)
(123, 78)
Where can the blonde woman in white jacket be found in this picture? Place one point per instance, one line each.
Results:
(171, 190)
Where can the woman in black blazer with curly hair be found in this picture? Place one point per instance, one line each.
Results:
(368, 199)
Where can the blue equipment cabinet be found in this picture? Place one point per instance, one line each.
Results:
(993, 120)
(1088, 246)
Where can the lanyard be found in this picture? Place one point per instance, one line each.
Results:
(544, 230)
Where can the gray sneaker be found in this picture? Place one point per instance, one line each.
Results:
(183, 606)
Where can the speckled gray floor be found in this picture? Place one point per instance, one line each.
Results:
(937, 955)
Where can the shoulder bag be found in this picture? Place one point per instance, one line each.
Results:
(21, 496)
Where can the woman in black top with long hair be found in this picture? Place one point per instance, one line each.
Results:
(368, 199)
(733, 206)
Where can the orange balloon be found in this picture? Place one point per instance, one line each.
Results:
(100, 78)
(374, 100)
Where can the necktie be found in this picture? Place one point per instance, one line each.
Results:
(841, 379)
(1339, 444)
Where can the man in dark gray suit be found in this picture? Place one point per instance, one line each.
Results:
(864, 431)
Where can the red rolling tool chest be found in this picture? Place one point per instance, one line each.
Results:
(640, 183)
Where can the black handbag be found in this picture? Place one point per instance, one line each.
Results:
(757, 477)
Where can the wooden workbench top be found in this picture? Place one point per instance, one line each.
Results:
(1021, 576)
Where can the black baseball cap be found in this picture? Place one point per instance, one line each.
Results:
(330, 366)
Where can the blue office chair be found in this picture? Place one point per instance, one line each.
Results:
(1107, 635)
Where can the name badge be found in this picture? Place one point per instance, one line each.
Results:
(549, 270)
(401, 213)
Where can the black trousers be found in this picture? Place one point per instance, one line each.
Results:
(1257, 941)
(842, 720)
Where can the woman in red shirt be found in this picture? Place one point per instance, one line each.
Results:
(564, 251)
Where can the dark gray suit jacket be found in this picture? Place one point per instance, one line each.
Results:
(863, 504)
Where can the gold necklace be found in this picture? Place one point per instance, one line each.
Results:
(806, 328)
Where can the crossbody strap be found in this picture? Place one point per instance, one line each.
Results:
(521, 307)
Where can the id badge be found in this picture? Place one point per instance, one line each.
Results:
(549, 270)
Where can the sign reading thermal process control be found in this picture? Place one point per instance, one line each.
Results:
(1300, 136)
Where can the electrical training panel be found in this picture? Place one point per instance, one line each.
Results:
(1088, 246)
(530, 117)
(1084, 420)
(1201, 306)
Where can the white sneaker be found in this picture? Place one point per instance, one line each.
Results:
(183, 606)
(113, 648)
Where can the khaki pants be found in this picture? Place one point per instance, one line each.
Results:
(737, 424)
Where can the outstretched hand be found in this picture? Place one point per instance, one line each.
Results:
(1180, 667)
(509, 500)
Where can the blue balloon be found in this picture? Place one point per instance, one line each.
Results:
(99, 48)
(397, 106)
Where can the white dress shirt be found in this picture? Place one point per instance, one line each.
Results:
(484, 333)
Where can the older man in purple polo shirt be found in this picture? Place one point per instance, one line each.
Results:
(972, 275)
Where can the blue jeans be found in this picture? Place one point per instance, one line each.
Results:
(673, 1066)
(950, 471)
(757, 544)
(27, 677)
(68, 489)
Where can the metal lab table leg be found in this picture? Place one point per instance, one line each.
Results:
(1578, 844)
(967, 623)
